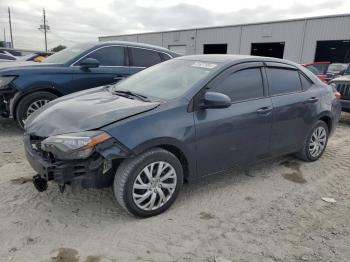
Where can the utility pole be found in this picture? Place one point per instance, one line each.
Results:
(4, 37)
(10, 26)
(45, 28)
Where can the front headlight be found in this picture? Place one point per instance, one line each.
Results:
(5, 80)
(74, 145)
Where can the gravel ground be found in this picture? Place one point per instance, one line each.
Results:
(269, 212)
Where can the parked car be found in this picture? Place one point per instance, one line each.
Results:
(179, 120)
(342, 85)
(319, 69)
(25, 86)
(10, 51)
(335, 70)
(7, 57)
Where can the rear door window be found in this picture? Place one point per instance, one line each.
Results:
(283, 81)
(241, 85)
(109, 56)
(144, 57)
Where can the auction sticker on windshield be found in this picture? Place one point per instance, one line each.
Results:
(204, 65)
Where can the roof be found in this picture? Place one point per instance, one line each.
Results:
(232, 58)
(105, 43)
(237, 25)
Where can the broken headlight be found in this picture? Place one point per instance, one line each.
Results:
(74, 145)
(5, 80)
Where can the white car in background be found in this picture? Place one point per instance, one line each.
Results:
(5, 56)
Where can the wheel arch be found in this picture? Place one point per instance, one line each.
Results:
(175, 147)
(19, 96)
(327, 118)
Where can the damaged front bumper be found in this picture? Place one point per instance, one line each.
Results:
(96, 171)
(5, 102)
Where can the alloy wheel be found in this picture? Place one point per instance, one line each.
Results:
(318, 141)
(36, 105)
(154, 185)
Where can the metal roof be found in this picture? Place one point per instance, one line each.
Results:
(237, 25)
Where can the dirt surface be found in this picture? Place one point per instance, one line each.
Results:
(270, 212)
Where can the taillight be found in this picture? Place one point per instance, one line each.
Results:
(337, 95)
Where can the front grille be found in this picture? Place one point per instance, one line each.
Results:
(344, 89)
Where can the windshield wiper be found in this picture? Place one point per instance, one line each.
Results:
(129, 93)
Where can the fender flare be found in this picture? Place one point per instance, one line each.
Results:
(172, 142)
(21, 94)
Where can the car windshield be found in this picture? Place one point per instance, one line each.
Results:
(337, 67)
(67, 54)
(167, 80)
(318, 69)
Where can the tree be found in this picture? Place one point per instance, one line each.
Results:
(2, 44)
(58, 48)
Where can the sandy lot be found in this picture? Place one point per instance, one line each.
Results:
(270, 212)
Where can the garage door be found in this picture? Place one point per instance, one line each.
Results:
(180, 49)
(274, 49)
(334, 51)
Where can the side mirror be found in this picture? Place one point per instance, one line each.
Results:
(89, 63)
(342, 72)
(215, 100)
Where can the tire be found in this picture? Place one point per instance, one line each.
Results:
(131, 172)
(306, 152)
(23, 107)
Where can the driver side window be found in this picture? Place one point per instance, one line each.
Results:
(109, 56)
(242, 85)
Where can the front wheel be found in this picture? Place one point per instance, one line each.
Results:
(149, 183)
(315, 143)
(30, 103)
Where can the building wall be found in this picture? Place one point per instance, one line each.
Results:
(153, 39)
(224, 35)
(289, 32)
(181, 38)
(300, 36)
(337, 28)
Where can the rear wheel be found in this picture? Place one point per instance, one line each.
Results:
(315, 143)
(149, 183)
(30, 103)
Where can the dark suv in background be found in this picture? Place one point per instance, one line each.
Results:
(26, 86)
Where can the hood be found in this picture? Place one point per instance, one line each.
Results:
(82, 111)
(14, 65)
(341, 78)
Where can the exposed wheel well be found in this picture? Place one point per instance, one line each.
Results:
(181, 156)
(50, 90)
(328, 121)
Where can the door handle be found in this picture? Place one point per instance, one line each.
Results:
(312, 100)
(264, 110)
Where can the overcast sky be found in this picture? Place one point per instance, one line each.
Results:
(74, 21)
